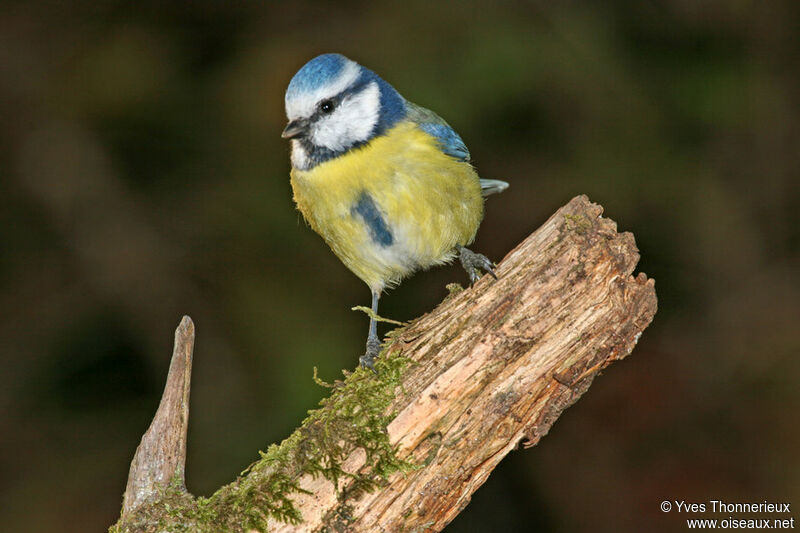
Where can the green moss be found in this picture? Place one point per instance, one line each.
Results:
(577, 223)
(353, 417)
(375, 316)
(174, 510)
(454, 288)
(338, 519)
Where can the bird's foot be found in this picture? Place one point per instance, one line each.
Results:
(475, 264)
(373, 348)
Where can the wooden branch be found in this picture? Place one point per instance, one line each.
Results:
(160, 459)
(493, 366)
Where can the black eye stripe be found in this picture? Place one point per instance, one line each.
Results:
(339, 98)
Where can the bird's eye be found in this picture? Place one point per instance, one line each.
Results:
(326, 106)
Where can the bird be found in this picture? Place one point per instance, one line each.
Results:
(386, 183)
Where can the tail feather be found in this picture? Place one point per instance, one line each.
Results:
(492, 186)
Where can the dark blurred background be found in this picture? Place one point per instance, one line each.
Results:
(143, 177)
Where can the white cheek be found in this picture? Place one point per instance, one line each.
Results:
(299, 156)
(352, 121)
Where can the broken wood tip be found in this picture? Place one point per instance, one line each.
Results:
(161, 456)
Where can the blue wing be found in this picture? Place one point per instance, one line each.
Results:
(452, 144)
(430, 122)
(449, 140)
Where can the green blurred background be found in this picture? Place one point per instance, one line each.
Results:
(143, 177)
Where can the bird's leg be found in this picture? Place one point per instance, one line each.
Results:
(474, 264)
(373, 343)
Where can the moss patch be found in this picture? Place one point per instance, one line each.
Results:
(374, 316)
(353, 417)
(454, 288)
(577, 223)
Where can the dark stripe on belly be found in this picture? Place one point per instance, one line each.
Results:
(378, 229)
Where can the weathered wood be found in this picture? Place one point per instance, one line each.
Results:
(160, 459)
(493, 366)
(497, 364)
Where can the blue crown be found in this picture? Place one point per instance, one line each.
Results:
(315, 74)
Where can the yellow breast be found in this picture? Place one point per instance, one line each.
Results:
(393, 206)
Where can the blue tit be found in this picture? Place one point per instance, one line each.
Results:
(386, 183)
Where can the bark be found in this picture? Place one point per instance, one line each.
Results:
(161, 456)
(490, 368)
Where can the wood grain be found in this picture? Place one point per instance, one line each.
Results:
(498, 363)
(160, 458)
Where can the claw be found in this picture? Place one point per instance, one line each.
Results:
(474, 264)
(368, 359)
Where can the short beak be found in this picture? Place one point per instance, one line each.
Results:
(294, 129)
